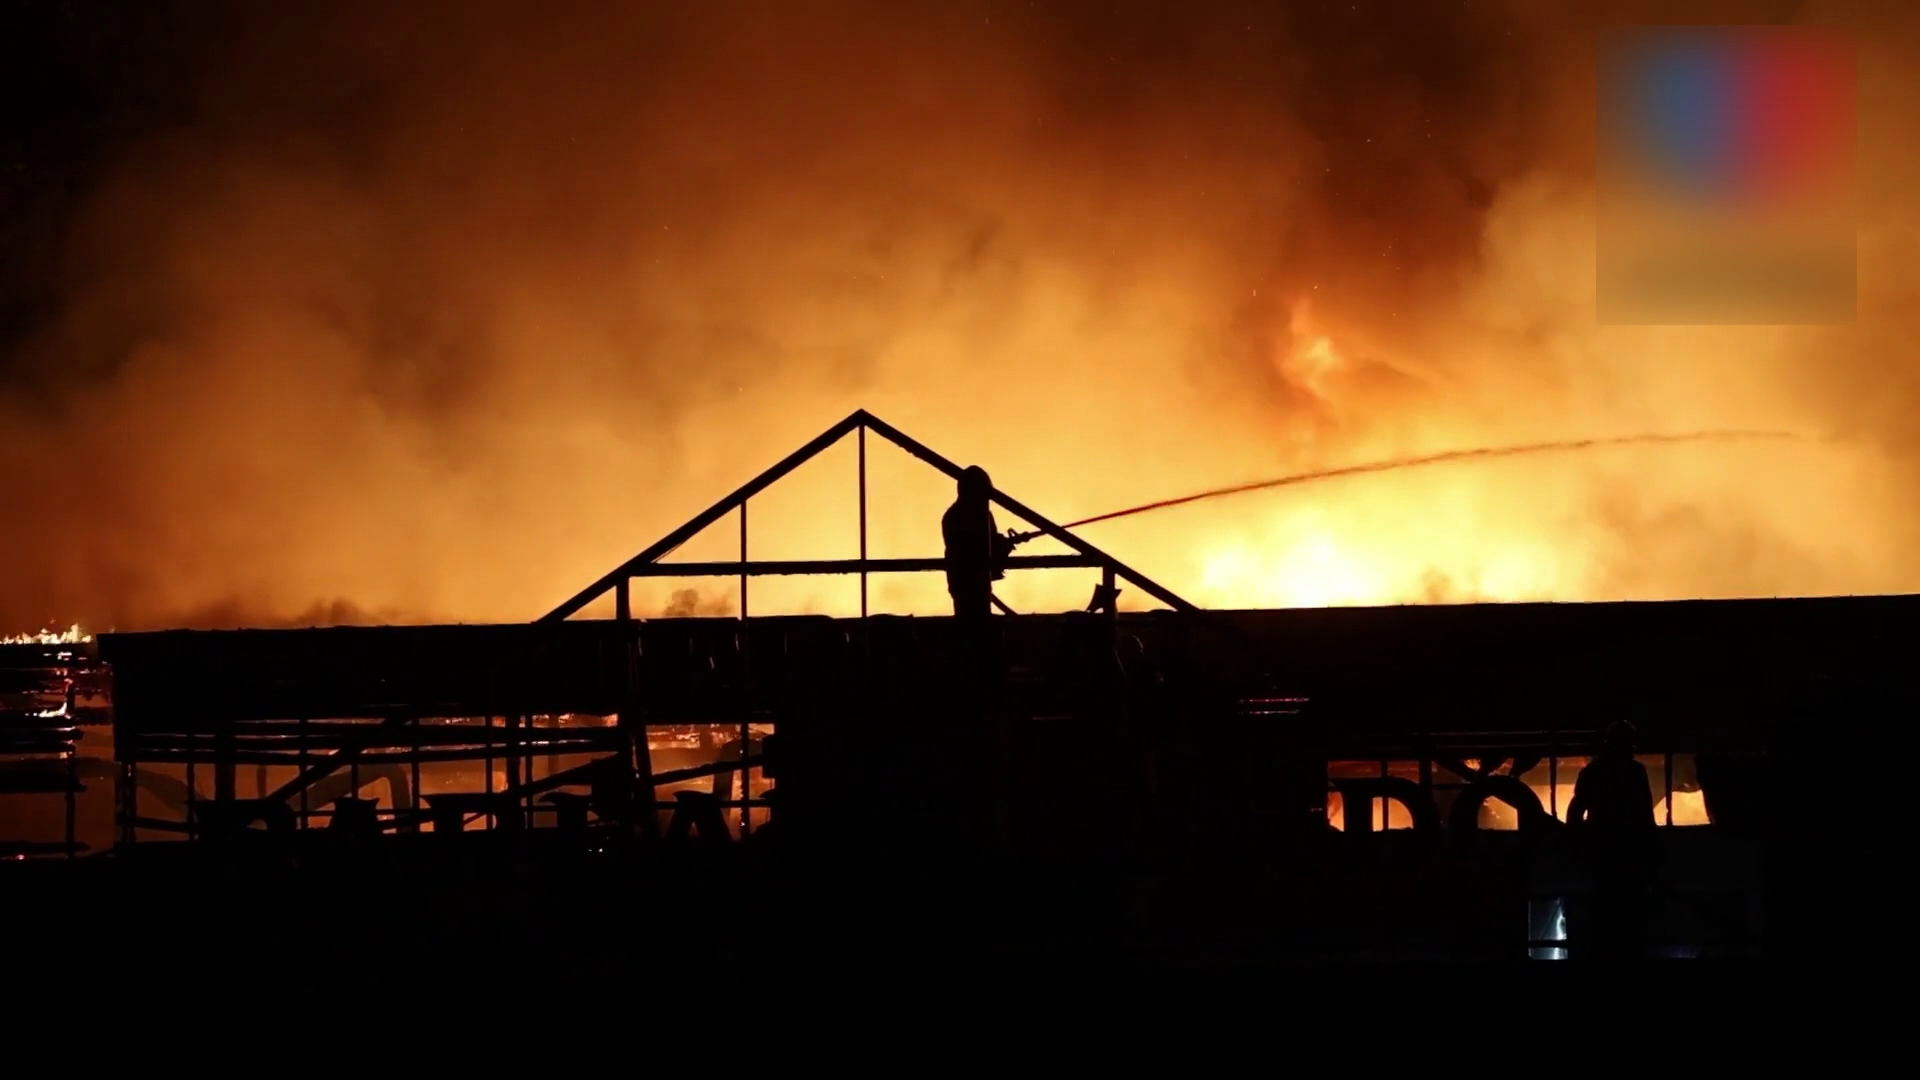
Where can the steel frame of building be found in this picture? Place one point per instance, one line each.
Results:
(1455, 699)
(266, 729)
(858, 425)
(1452, 690)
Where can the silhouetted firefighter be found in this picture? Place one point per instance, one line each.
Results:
(971, 784)
(1612, 811)
(976, 550)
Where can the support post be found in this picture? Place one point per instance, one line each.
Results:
(306, 770)
(631, 718)
(413, 764)
(225, 782)
(1112, 614)
(515, 752)
(128, 809)
(863, 520)
(746, 714)
(73, 787)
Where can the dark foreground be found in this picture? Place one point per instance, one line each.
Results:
(686, 909)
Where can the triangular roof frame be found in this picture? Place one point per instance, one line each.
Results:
(647, 563)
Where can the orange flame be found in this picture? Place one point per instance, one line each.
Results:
(70, 636)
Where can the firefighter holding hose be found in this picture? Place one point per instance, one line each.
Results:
(976, 550)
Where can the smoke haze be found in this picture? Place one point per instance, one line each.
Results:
(439, 314)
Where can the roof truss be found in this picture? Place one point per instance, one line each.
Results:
(647, 563)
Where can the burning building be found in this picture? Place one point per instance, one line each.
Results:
(418, 318)
(1214, 733)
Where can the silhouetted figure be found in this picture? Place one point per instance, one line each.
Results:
(1612, 815)
(972, 784)
(976, 550)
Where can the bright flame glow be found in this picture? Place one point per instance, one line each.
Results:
(70, 636)
(1689, 808)
(325, 386)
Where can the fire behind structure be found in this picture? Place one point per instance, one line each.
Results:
(1117, 738)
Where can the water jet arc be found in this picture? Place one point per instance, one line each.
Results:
(1393, 464)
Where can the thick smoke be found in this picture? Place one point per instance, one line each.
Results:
(442, 313)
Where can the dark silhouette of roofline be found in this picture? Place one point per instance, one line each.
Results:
(860, 421)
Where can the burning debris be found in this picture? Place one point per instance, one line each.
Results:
(51, 686)
(72, 635)
(51, 675)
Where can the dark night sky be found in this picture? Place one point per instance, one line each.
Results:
(82, 83)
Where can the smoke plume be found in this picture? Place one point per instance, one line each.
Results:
(437, 311)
